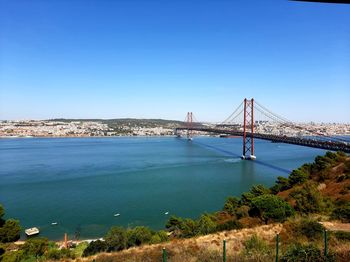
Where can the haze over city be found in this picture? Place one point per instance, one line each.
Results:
(157, 59)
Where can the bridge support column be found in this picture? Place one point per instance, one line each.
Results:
(248, 130)
(189, 124)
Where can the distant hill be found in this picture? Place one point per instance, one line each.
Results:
(127, 122)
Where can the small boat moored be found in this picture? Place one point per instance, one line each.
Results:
(117, 215)
(32, 231)
(166, 213)
(54, 223)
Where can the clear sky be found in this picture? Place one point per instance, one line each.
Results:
(160, 59)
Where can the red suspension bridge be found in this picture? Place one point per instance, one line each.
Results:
(252, 120)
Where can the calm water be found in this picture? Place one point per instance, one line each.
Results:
(81, 182)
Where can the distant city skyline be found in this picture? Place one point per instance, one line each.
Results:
(161, 59)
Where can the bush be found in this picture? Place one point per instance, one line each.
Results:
(116, 239)
(174, 223)
(79, 249)
(342, 213)
(35, 246)
(256, 249)
(242, 211)
(14, 256)
(95, 247)
(309, 200)
(342, 235)
(10, 231)
(58, 254)
(259, 190)
(299, 252)
(229, 225)
(2, 213)
(205, 225)
(231, 204)
(159, 237)
(281, 184)
(138, 236)
(308, 228)
(297, 177)
(271, 207)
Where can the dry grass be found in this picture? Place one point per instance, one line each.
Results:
(203, 248)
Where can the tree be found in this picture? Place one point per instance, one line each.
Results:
(281, 184)
(2, 213)
(138, 236)
(116, 239)
(10, 231)
(259, 190)
(309, 200)
(35, 246)
(95, 247)
(297, 177)
(173, 222)
(205, 225)
(231, 204)
(158, 237)
(271, 207)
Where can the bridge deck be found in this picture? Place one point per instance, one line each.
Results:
(328, 145)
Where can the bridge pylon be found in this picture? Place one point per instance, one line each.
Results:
(189, 125)
(248, 130)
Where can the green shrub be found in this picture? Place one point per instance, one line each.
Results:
(302, 253)
(231, 204)
(138, 236)
(342, 235)
(229, 225)
(205, 225)
(95, 247)
(297, 177)
(116, 239)
(309, 200)
(259, 190)
(256, 249)
(281, 184)
(58, 254)
(14, 256)
(79, 249)
(159, 237)
(342, 212)
(309, 228)
(271, 207)
(10, 231)
(35, 246)
(188, 228)
(242, 211)
(174, 223)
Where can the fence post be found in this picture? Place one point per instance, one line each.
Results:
(277, 246)
(224, 251)
(164, 255)
(325, 243)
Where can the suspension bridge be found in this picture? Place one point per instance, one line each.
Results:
(251, 120)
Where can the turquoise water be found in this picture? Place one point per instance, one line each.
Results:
(82, 182)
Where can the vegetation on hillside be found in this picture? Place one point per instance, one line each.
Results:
(316, 190)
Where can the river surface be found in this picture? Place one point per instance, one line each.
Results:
(80, 183)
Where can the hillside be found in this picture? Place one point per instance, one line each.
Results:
(299, 208)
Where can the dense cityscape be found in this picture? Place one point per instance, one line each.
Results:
(138, 127)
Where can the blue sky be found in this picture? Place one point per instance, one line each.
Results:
(160, 59)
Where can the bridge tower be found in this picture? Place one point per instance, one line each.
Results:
(248, 130)
(189, 125)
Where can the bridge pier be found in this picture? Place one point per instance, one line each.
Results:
(250, 157)
(248, 124)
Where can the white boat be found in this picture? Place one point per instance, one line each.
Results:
(117, 215)
(32, 231)
(54, 223)
(166, 213)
